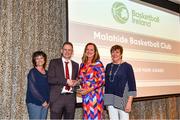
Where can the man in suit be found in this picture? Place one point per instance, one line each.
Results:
(62, 75)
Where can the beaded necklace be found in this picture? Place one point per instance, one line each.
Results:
(110, 73)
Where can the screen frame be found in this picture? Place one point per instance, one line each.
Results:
(144, 2)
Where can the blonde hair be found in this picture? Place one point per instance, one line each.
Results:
(96, 55)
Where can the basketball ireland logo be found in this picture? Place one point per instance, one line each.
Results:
(120, 12)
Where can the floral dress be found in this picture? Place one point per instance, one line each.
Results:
(92, 76)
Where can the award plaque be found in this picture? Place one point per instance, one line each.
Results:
(77, 87)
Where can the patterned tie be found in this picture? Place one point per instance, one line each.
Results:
(67, 75)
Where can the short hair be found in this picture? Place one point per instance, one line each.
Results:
(117, 47)
(67, 43)
(36, 54)
(96, 55)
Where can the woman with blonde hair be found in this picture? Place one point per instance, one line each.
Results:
(93, 78)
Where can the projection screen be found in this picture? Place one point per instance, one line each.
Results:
(150, 38)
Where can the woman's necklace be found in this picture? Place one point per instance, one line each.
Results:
(111, 78)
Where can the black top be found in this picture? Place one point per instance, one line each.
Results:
(117, 76)
(37, 87)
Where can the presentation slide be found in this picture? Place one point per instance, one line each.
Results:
(150, 38)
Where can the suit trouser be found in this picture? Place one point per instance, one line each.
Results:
(63, 107)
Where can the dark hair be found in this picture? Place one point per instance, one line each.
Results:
(67, 43)
(36, 54)
(96, 55)
(117, 47)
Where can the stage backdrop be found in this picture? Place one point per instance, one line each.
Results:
(26, 26)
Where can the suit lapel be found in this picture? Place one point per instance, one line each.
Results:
(61, 67)
(73, 70)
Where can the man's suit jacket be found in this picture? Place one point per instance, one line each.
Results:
(56, 77)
